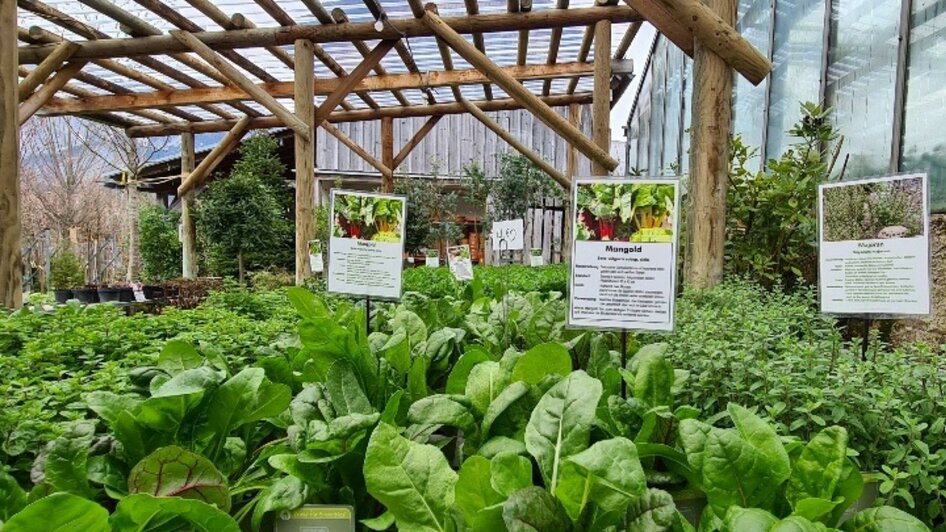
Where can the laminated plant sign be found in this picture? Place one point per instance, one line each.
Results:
(316, 518)
(874, 246)
(507, 235)
(624, 253)
(536, 258)
(461, 266)
(432, 257)
(367, 244)
(315, 256)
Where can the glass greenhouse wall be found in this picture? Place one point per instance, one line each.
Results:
(878, 64)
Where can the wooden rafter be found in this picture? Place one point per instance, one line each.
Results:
(213, 159)
(473, 8)
(183, 23)
(349, 81)
(339, 17)
(622, 82)
(226, 22)
(586, 41)
(447, 61)
(393, 29)
(359, 115)
(402, 50)
(519, 93)
(240, 80)
(88, 32)
(414, 141)
(657, 14)
(555, 41)
(536, 159)
(49, 65)
(522, 49)
(58, 81)
(323, 87)
(283, 18)
(38, 34)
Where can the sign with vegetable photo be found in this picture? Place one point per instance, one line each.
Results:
(461, 265)
(874, 246)
(367, 244)
(624, 253)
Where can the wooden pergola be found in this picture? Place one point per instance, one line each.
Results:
(183, 67)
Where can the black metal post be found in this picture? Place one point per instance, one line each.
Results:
(623, 362)
(865, 339)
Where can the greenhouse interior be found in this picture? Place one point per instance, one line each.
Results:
(524, 265)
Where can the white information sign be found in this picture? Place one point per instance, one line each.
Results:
(366, 248)
(507, 235)
(874, 246)
(461, 265)
(624, 253)
(432, 258)
(315, 256)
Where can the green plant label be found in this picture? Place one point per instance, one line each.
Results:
(624, 253)
(317, 517)
(874, 246)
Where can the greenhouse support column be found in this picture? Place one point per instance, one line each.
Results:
(387, 153)
(11, 272)
(571, 169)
(601, 98)
(305, 156)
(709, 159)
(188, 230)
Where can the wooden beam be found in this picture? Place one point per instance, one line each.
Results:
(230, 23)
(387, 153)
(415, 140)
(188, 229)
(601, 102)
(627, 40)
(709, 160)
(11, 259)
(360, 115)
(36, 34)
(522, 49)
(305, 156)
(49, 65)
(213, 159)
(323, 87)
(536, 159)
(394, 29)
(518, 92)
(447, 59)
(555, 41)
(348, 83)
(666, 23)
(240, 80)
(40, 97)
(386, 172)
(720, 37)
(587, 39)
(473, 8)
(339, 17)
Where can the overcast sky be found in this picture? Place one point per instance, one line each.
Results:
(638, 52)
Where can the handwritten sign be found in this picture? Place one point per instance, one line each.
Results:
(507, 235)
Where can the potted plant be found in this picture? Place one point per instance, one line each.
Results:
(86, 295)
(108, 293)
(65, 274)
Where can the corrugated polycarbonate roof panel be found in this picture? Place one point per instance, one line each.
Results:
(501, 47)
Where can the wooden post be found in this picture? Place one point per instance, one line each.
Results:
(188, 230)
(571, 168)
(305, 156)
(11, 268)
(709, 159)
(387, 153)
(601, 97)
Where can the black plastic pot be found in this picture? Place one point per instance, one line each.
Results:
(86, 295)
(152, 291)
(62, 295)
(127, 294)
(108, 294)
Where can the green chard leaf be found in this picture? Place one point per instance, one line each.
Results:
(145, 512)
(175, 472)
(535, 510)
(60, 512)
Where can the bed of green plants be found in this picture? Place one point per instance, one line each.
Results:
(471, 417)
(514, 420)
(438, 282)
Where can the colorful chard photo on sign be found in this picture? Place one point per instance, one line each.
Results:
(625, 212)
(876, 209)
(367, 217)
